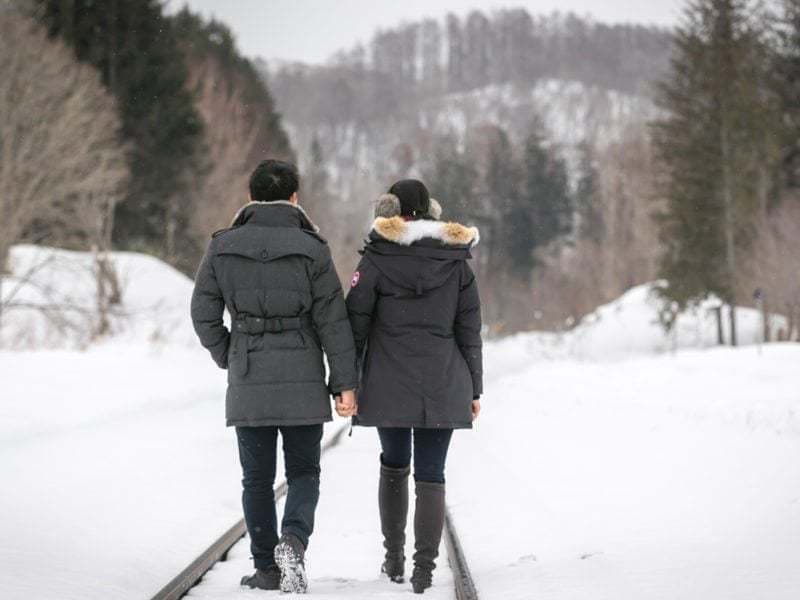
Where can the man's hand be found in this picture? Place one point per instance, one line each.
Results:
(476, 409)
(346, 403)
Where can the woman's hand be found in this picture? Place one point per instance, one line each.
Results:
(476, 409)
(346, 403)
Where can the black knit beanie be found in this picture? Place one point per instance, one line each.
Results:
(415, 201)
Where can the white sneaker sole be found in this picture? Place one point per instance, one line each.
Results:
(293, 573)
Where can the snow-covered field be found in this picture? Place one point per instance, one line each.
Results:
(613, 462)
(671, 477)
(116, 468)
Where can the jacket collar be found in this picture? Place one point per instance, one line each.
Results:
(406, 233)
(279, 213)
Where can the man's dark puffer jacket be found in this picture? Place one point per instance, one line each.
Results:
(275, 275)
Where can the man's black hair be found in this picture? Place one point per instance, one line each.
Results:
(273, 180)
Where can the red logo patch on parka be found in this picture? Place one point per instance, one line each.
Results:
(356, 278)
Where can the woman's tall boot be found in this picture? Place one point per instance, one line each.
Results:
(393, 505)
(428, 525)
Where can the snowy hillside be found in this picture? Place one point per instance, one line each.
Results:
(629, 327)
(50, 300)
(571, 112)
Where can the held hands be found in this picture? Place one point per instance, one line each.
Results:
(346, 404)
(476, 409)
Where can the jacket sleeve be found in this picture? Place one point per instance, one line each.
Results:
(329, 314)
(361, 304)
(207, 310)
(467, 329)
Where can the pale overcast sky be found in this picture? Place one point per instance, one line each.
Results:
(312, 30)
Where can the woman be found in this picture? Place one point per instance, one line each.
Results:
(415, 313)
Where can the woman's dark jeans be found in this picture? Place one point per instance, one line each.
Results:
(430, 451)
(301, 454)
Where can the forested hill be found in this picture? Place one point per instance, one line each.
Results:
(428, 58)
(445, 100)
(195, 116)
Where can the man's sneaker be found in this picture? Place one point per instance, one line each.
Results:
(263, 579)
(289, 555)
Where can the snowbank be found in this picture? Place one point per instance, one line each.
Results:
(629, 327)
(52, 301)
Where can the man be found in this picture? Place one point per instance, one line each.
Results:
(274, 274)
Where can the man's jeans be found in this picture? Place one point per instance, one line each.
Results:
(301, 452)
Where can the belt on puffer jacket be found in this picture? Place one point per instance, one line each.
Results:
(257, 325)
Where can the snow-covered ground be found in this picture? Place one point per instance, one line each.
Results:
(116, 470)
(667, 477)
(346, 551)
(611, 462)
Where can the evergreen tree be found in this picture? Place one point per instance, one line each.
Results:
(317, 175)
(711, 146)
(509, 230)
(453, 179)
(134, 47)
(546, 196)
(787, 79)
(587, 197)
(316, 197)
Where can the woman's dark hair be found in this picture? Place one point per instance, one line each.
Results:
(273, 180)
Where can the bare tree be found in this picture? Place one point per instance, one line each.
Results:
(578, 277)
(773, 268)
(231, 136)
(61, 159)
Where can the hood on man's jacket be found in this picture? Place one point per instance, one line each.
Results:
(249, 210)
(419, 255)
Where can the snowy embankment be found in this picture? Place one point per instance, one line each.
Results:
(618, 462)
(117, 468)
(50, 301)
(605, 465)
(149, 362)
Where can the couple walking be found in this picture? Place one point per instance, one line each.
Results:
(406, 339)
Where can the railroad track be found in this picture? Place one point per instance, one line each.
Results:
(465, 587)
(218, 551)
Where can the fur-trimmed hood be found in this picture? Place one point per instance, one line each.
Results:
(419, 255)
(390, 226)
(406, 233)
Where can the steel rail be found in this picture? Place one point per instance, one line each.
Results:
(462, 578)
(191, 575)
(218, 551)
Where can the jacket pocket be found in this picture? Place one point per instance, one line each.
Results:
(237, 355)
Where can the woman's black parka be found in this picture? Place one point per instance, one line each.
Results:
(415, 313)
